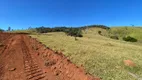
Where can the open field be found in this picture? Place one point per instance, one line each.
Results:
(100, 55)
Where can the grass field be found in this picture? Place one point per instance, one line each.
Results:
(100, 55)
(135, 32)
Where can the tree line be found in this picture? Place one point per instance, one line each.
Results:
(72, 31)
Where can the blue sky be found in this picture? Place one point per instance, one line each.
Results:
(20, 14)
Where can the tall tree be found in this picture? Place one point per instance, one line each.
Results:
(9, 28)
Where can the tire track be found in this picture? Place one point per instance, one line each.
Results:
(32, 70)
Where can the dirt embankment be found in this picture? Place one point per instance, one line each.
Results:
(25, 58)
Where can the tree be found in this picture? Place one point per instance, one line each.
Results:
(76, 32)
(9, 29)
(1, 30)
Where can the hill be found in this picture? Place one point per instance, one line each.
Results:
(100, 55)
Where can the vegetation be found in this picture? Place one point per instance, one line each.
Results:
(9, 29)
(1, 30)
(114, 37)
(135, 32)
(99, 32)
(100, 55)
(130, 39)
(76, 32)
(95, 26)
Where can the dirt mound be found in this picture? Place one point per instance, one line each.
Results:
(129, 63)
(24, 58)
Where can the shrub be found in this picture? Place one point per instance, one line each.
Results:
(99, 32)
(80, 35)
(129, 39)
(114, 37)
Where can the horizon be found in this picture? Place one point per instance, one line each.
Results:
(67, 27)
(24, 13)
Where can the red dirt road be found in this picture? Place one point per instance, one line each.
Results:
(24, 58)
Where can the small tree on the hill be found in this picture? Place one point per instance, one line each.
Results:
(99, 32)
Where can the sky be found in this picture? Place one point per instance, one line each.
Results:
(22, 14)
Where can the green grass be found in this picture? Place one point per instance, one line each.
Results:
(100, 55)
(135, 32)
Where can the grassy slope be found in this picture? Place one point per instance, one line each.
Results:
(134, 32)
(100, 55)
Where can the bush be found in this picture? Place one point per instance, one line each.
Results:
(80, 35)
(114, 37)
(129, 39)
(99, 32)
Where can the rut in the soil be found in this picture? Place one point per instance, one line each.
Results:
(32, 70)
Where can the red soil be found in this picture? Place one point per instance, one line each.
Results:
(24, 58)
(129, 63)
